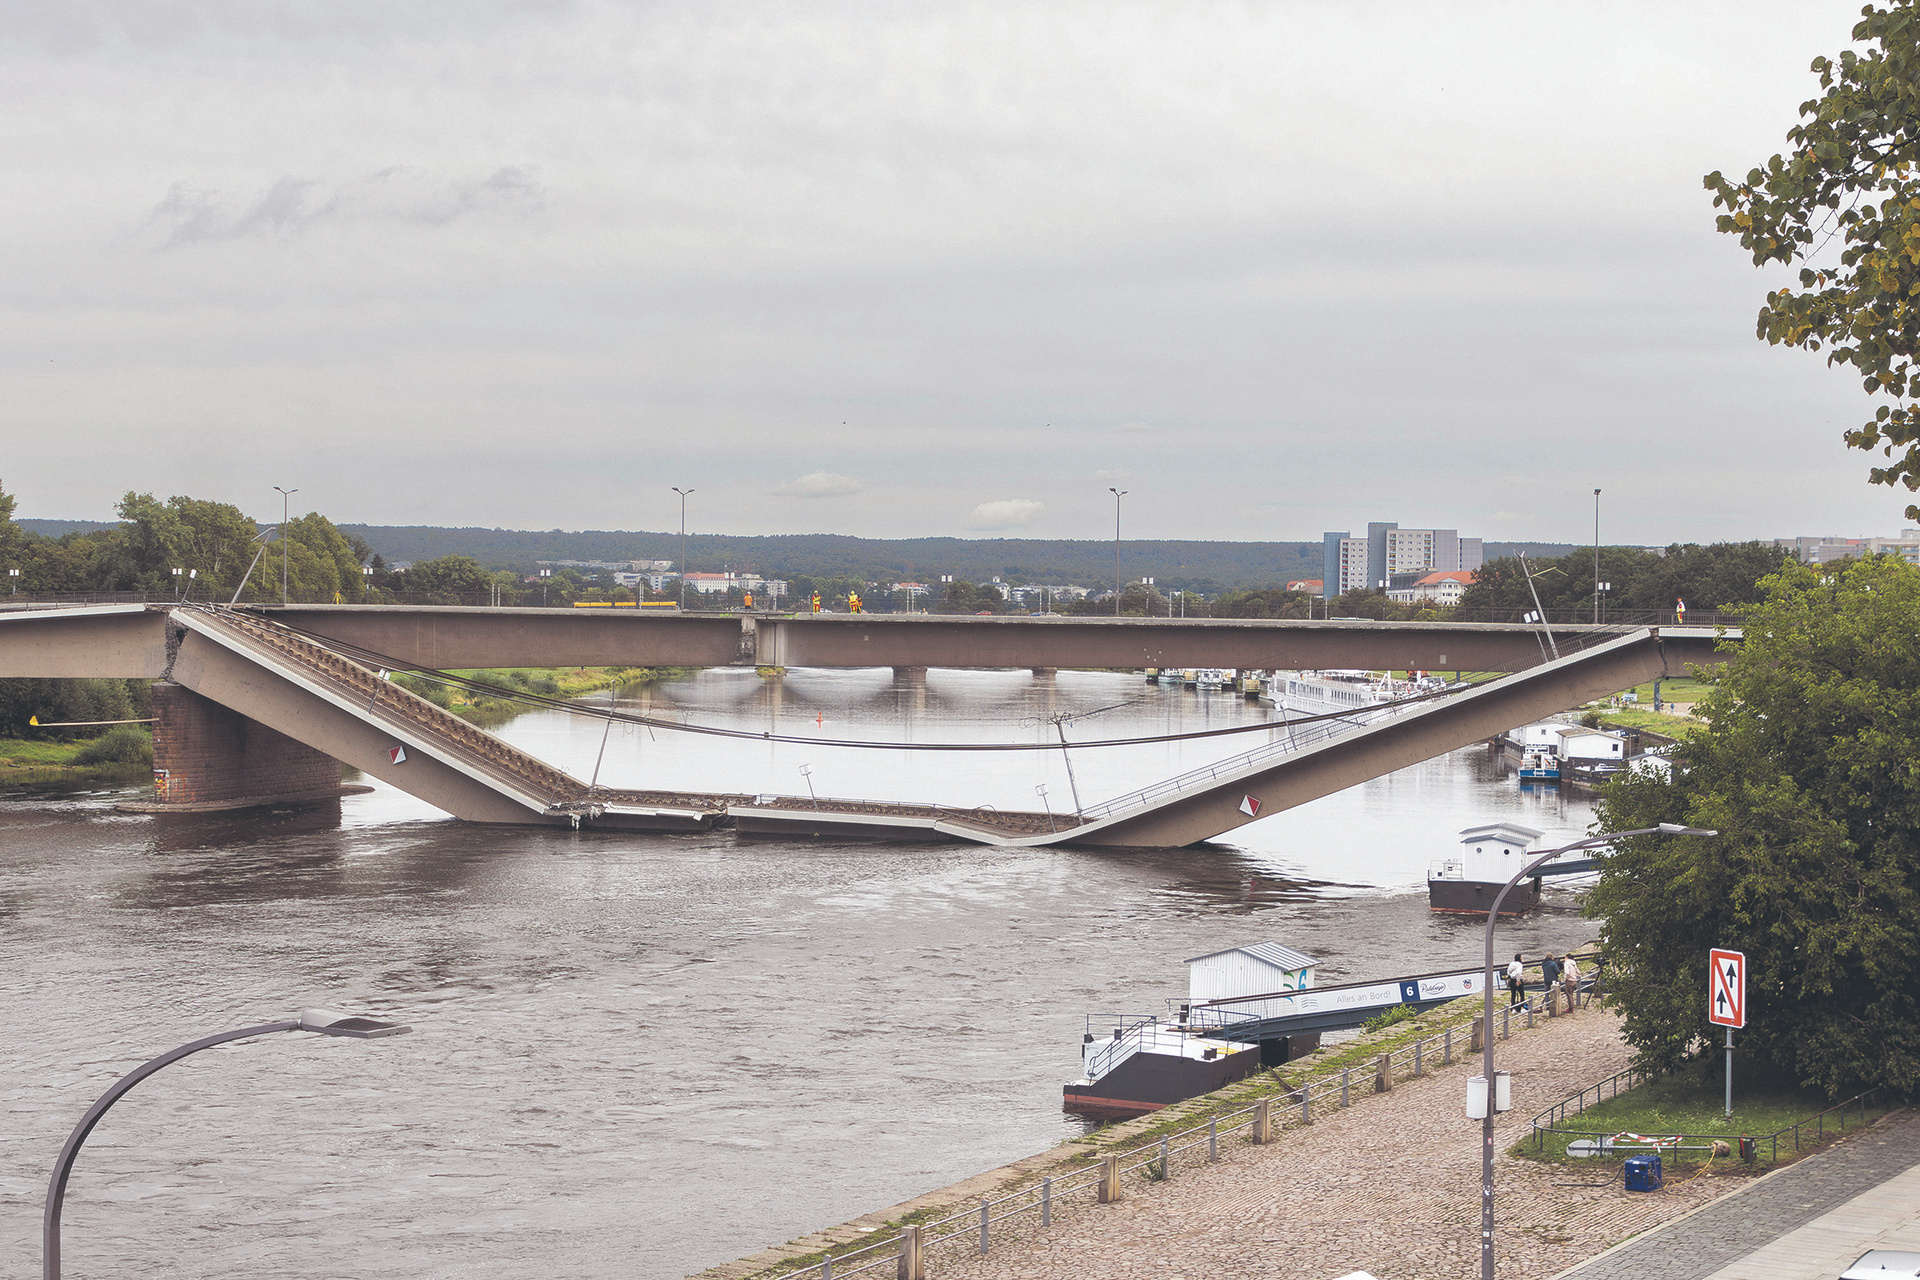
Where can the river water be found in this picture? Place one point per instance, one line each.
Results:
(637, 1055)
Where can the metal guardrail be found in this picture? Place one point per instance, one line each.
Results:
(905, 1249)
(1612, 1088)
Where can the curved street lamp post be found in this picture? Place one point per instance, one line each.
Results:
(1486, 1034)
(322, 1021)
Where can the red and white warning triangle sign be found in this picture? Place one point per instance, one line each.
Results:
(397, 755)
(1250, 806)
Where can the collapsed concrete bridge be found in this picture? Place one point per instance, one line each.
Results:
(251, 709)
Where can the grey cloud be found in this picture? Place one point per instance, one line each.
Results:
(818, 484)
(292, 206)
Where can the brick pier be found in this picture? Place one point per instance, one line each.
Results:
(208, 757)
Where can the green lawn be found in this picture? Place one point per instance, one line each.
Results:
(1683, 1104)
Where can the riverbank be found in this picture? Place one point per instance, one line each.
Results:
(40, 761)
(1389, 1184)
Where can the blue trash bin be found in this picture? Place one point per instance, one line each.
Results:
(1643, 1173)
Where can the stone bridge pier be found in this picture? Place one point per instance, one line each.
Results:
(207, 757)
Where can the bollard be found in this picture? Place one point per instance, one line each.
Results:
(1262, 1123)
(826, 1268)
(1383, 1075)
(1046, 1205)
(1417, 1072)
(1346, 1074)
(1553, 1002)
(1447, 1044)
(1213, 1140)
(1506, 1018)
(1110, 1180)
(1306, 1105)
(1166, 1161)
(1477, 1038)
(913, 1263)
(1529, 1016)
(985, 1217)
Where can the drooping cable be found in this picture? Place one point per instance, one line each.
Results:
(525, 697)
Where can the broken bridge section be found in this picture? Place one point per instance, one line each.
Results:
(269, 679)
(293, 709)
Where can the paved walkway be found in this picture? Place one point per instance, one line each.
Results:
(1808, 1221)
(1390, 1186)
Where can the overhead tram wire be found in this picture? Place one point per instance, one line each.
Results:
(386, 662)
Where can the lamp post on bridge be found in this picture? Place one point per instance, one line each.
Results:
(322, 1021)
(683, 545)
(1489, 1102)
(1119, 587)
(1597, 587)
(286, 497)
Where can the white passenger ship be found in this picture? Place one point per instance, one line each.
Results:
(1365, 695)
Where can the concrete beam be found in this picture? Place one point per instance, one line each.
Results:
(474, 637)
(117, 641)
(238, 682)
(459, 638)
(1413, 736)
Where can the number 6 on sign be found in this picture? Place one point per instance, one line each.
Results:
(1727, 988)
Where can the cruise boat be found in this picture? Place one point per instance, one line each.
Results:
(1209, 678)
(1363, 694)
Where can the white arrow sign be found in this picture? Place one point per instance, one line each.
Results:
(1727, 988)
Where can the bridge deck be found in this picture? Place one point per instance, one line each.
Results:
(290, 681)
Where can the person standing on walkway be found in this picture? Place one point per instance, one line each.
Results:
(1549, 979)
(1570, 983)
(1516, 981)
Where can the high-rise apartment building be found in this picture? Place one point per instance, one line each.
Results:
(1358, 564)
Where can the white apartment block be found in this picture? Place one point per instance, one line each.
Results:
(1827, 550)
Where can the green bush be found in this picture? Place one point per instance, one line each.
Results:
(432, 690)
(123, 744)
(1380, 1022)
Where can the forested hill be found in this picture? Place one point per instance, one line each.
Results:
(821, 555)
(1192, 565)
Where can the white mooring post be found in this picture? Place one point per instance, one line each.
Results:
(1110, 1180)
(986, 1215)
(1046, 1202)
(1262, 1123)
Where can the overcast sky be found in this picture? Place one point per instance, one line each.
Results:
(900, 269)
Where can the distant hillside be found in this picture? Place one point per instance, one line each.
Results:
(1201, 566)
(61, 528)
(1194, 565)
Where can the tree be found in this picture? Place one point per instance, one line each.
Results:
(1264, 602)
(1807, 770)
(1845, 202)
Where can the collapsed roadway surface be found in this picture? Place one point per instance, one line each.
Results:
(225, 672)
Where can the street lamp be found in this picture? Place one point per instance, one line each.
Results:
(1486, 1032)
(1597, 588)
(286, 496)
(1119, 588)
(323, 1021)
(683, 544)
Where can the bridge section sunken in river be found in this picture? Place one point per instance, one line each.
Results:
(315, 675)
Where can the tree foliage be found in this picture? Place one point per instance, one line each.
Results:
(1845, 203)
(1810, 770)
(1706, 577)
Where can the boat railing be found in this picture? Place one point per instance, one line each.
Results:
(1446, 869)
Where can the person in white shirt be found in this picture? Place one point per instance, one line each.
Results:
(1517, 981)
(1570, 983)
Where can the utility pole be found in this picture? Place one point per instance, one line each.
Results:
(683, 545)
(1119, 587)
(1596, 557)
(286, 496)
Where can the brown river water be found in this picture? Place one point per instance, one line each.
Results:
(637, 1055)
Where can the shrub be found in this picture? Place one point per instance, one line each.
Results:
(122, 744)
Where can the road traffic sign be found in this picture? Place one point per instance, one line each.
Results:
(1727, 988)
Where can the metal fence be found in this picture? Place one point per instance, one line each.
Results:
(1157, 1161)
(1607, 1143)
